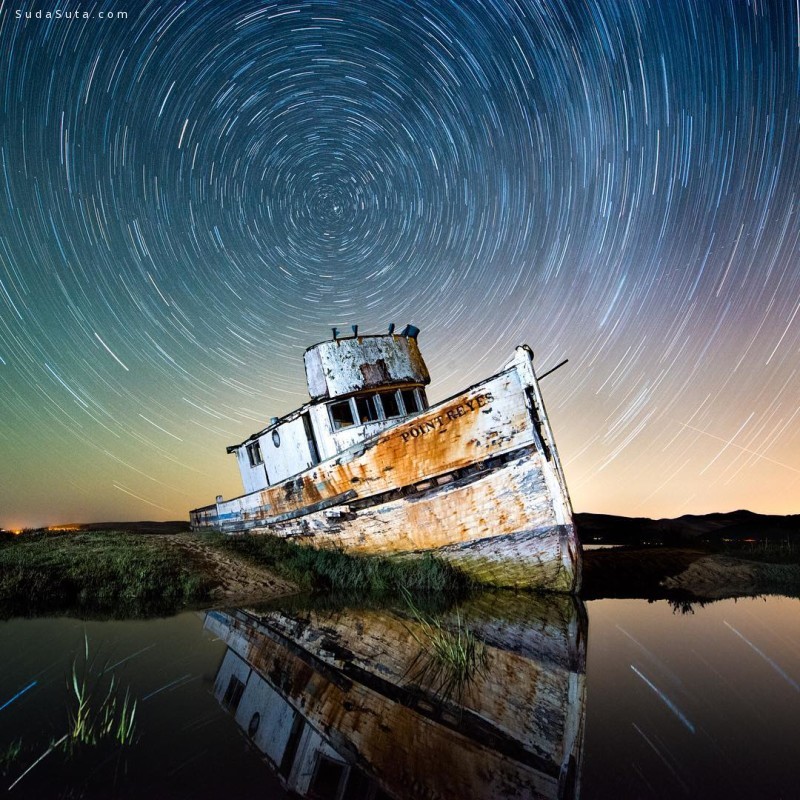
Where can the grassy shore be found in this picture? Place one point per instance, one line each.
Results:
(129, 574)
(116, 572)
(711, 572)
(123, 573)
(316, 570)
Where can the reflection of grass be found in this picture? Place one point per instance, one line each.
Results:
(127, 574)
(314, 568)
(449, 660)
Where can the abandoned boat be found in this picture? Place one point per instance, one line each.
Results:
(355, 703)
(369, 467)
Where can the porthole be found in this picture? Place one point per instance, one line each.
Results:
(255, 721)
(276, 438)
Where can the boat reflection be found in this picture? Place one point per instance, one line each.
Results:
(364, 704)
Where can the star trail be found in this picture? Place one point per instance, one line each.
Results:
(193, 193)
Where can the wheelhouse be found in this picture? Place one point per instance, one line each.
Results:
(359, 386)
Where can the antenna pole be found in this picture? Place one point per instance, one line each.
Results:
(545, 374)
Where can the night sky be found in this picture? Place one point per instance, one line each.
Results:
(193, 194)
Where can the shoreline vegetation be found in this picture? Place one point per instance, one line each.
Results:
(155, 569)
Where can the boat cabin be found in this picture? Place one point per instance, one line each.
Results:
(359, 386)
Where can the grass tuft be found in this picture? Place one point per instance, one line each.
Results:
(97, 714)
(10, 755)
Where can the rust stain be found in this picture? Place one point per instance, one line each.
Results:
(409, 451)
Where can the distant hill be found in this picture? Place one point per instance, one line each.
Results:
(688, 529)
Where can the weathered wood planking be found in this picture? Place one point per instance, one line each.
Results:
(522, 543)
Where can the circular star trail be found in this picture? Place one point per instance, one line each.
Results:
(193, 193)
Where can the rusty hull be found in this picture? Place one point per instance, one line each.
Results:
(475, 478)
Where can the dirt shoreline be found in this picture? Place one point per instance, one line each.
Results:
(228, 578)
(236, 580)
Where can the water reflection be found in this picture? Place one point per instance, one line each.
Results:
(345, 704)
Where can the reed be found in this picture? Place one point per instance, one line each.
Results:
(10, 755)
(98, 713)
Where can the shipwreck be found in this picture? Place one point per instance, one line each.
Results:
(369, 467)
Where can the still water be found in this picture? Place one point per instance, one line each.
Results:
(552, 698)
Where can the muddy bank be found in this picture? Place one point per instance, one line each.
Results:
(650, 573)
(231, 578)
(124, 574)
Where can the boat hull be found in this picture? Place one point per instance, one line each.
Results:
(475, 479)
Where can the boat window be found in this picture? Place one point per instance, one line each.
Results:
(358, 785)
(391, 408)
(410, 400)
(342, 415)
(254, 454)
(328, 777)
(366, 408)
(233, 694)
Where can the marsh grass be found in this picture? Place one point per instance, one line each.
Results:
(783, 550)
(450, 658)
(329, 569)
(99, 712)
(120, 573)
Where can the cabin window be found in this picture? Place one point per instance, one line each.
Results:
(328, 777)
(233, 694)
(358, 785)
(366, 408)
(254, 454)
(410, 400)
(371, 407)
(391, 408)
(342, 415)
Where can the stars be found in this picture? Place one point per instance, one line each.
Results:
(200, 192)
